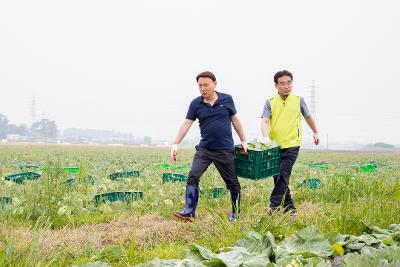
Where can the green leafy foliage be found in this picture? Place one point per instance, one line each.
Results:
(306, 247)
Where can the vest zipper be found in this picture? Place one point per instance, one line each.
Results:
(298, 132)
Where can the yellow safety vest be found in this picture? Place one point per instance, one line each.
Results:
(285, 123)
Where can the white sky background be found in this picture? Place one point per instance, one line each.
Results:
(130, 66)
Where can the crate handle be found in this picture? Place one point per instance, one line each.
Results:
(244, 152)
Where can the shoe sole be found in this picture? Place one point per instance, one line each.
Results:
(186, 219)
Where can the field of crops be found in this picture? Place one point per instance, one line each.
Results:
(55, 220)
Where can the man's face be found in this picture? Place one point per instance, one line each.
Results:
(206, 87)
(284, 85)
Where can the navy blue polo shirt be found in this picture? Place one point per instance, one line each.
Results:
(214, 121)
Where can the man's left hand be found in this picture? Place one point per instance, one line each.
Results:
(316, 138)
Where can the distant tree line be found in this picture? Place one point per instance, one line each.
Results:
(96, 134)
(381, 145)
(43, 129)
(104, 136)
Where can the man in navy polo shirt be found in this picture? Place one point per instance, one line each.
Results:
(216, 113)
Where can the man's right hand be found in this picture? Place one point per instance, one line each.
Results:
(316, 138)
(265, 140)
(174, 151)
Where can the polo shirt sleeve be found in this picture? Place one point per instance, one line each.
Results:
(231, 106)
(303, 108)
(191, 112)
(267, 110)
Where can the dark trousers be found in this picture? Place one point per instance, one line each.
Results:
(224, 161)
(281, 193)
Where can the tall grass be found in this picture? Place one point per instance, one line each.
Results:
(349, 200)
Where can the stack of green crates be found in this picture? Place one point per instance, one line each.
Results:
(257, 164)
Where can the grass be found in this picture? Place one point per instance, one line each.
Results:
(50, 223)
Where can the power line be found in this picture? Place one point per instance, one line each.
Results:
(33, 109)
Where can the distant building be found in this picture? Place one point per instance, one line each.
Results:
(17, 138)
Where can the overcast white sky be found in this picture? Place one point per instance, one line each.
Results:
(130, 66)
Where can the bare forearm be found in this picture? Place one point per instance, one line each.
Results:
(311, 123)
(237, 125)
(183, 129)
(265, 126)
(239, 130)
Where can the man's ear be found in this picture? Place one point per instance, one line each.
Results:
(215, 83)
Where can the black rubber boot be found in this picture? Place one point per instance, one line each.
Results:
(191, 200)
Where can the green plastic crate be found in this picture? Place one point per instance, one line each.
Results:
(174, 177)
(19, 178)
(313, 183)
(118, 175)
(368, 168)
(27, 167)
(323, 165)
(5, 200)
(257, 164)
(216, 192)
(88, 180)
(118, 196)
(167, 166)
(70, 182)
(72, 170)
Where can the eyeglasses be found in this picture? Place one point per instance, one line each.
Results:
(285, 83)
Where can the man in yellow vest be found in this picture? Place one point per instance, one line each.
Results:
(281, 123)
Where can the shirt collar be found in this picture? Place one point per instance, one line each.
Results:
(202, 98)
(283, 100)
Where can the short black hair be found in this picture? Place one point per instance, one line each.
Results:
(281, 74)
(206, 74)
